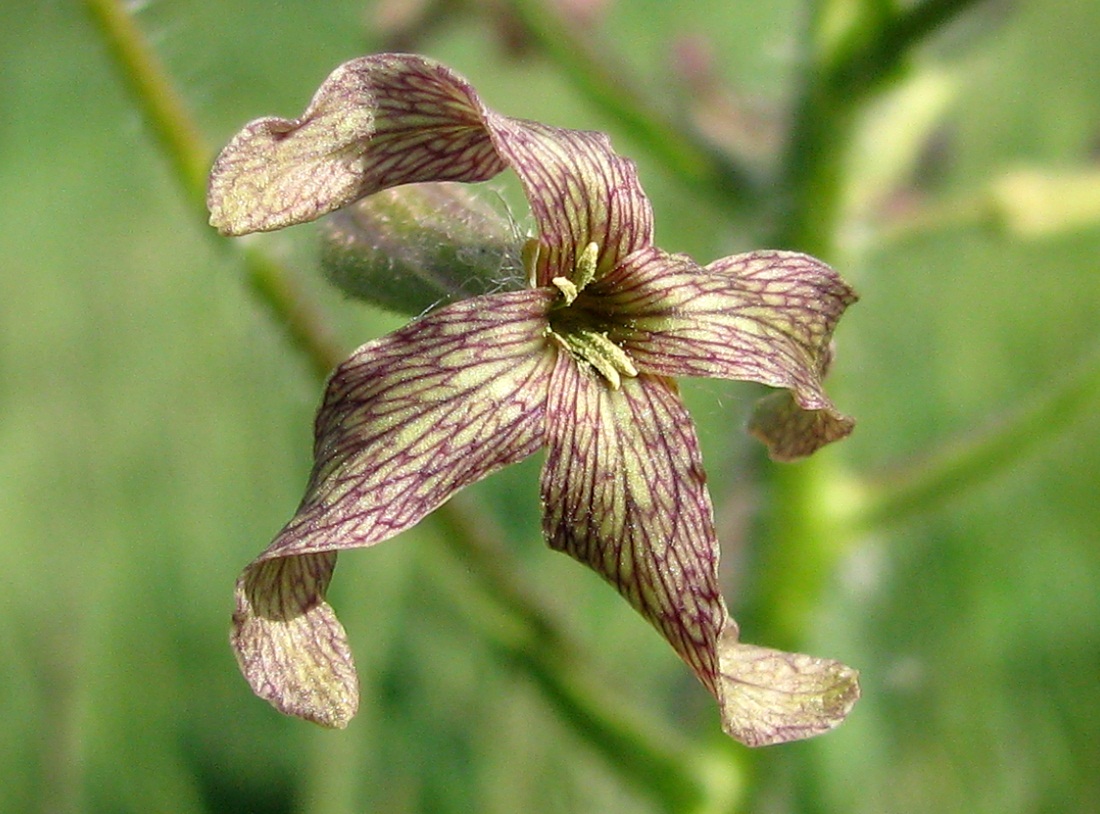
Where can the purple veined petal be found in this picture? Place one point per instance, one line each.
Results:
(411, 418)
(765, 316)
(580, 191)
(391, 119)
(624, 492)
(375, 122)
(407, 421)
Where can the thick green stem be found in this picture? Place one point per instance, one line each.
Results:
(804, 537)
(836, 84)
(798, 547)
(804, 530)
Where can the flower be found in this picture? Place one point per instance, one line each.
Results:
(579, 362)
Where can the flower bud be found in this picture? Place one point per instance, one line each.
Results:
(418, 246)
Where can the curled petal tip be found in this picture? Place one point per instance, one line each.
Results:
(375, 122)
(278, 172)
(770, 696)
(301, 667)
(290, 646)
(791, 431)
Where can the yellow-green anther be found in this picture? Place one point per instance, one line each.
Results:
(567, 289)
(586, 266)
(609, 360)
(583, 273)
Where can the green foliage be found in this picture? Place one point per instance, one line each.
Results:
(155, 431)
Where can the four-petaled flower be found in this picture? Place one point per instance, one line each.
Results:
(578, 362)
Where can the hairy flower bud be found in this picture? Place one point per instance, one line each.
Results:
(418, 246)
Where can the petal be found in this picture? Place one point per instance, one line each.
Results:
(624, 492)
(288, 642)
(408, 420)
(580, 192)
(376, 122)
(770, 696)
(790, 432)
(391, 119)
(765, 316)
(411, 418)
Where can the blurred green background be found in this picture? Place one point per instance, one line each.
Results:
(155, 431)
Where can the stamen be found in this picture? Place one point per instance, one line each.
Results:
(583, 273)
(586, 266)
(567, 289)
(593, 347)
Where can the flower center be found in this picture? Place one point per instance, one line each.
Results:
(581, 331)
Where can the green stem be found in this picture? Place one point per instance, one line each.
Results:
(977, 457)
(804, 537)
(652, 759)
(185, 149)
(593, 73)
(835, 86)
(798, 543)
(875, 54)
(803, 531)
(916, 24)
(164, 110)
